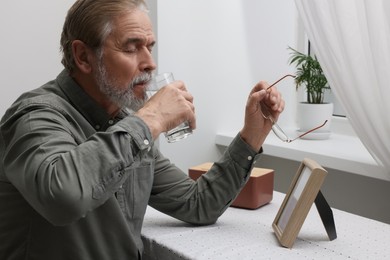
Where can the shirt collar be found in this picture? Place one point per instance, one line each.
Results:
(86, 105)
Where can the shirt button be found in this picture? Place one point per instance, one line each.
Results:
(110, 122)
(97, 127)
(146, 142)
(250, 158)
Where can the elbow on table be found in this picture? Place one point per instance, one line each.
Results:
(205, 218)
(204, 222)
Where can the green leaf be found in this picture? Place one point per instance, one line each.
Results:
(309, 74)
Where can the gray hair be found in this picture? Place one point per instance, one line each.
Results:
(90, 21)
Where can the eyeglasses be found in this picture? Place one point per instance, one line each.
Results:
(278, 131)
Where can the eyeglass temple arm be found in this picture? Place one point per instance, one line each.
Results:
(282, 78)
(308, 132)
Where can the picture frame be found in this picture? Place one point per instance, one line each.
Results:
(296, 205)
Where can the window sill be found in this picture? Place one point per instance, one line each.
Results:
(340, 152)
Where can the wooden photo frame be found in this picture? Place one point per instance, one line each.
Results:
(298, 201)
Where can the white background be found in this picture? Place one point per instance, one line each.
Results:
(221, 49)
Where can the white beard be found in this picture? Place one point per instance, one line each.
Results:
(123, 97)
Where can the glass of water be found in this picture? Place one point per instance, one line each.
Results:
(181, 131)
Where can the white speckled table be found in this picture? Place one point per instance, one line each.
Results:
(247, 234)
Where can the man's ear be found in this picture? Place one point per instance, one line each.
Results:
(83, 56)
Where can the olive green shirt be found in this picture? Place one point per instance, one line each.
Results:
(75, 183)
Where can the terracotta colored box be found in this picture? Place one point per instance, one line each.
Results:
(257, 191)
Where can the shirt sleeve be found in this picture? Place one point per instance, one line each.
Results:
(65, 170)
(204, 200)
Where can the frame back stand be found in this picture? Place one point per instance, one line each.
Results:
(326, 215)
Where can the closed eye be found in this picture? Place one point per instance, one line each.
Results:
(133, 45)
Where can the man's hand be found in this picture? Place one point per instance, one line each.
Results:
(256, 127)
(168, 108)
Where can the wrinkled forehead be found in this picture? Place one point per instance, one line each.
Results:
(133, 24)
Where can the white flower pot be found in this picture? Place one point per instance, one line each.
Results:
(310, 116)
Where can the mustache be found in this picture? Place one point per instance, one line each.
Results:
(143, 78)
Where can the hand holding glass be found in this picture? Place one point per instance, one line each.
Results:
(181, 131)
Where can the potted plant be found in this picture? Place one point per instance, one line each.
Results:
(314, 111)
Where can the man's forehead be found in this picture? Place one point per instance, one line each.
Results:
(134, 24)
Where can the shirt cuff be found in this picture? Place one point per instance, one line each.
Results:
(242, 153)
(138, 130)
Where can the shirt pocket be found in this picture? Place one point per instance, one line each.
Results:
(137, 189)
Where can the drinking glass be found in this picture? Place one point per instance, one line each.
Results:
(181, 131)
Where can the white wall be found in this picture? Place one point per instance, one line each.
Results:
(221, 49)
(29, 46)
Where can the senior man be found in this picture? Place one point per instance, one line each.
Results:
(78, 160)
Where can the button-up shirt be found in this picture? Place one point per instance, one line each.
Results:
(75, 183)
